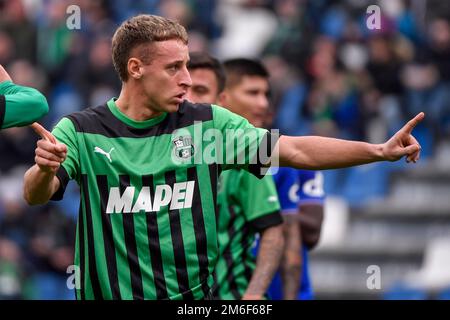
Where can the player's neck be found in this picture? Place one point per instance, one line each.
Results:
(134, 104)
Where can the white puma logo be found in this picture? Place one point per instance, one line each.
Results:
(106, 154)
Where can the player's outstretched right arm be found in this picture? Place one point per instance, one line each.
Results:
(319, 153)
(40, 181)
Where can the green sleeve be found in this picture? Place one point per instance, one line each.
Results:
(240, 140)
(65, 133)
(258, 197)
(20, 106)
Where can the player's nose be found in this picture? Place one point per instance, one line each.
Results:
(263, 102)
(185, 78)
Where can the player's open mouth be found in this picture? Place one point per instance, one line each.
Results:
(179, 98)
(181, 95)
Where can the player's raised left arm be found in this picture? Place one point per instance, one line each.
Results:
(318, 153)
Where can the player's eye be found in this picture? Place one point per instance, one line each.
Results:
(200, 90)
(173, 68)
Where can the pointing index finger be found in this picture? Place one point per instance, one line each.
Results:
(43, 133)
(413, 122)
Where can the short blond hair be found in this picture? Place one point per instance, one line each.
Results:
(139, 30)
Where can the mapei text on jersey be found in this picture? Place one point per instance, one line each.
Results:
(177, 197)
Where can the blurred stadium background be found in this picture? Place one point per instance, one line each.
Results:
(331, 76)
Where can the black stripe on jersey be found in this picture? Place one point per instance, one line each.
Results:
(215, 286)
(213, 175)
(63, 178)
(199, 226)
(268, 141)
(246, 243)
(100, 120)
(154, 246)
(178, 245)
(228, 256)
(206, 289)
(90, 237)
(267, 221)
(130, 243)
(81, 239)
(2, 109)
(110, 252)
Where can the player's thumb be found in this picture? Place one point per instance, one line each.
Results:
(61, 147)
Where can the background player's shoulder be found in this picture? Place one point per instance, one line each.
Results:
(309, 174)
(286, 172)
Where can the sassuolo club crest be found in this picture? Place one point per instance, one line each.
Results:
(183, 147)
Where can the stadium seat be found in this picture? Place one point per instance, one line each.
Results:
(435, 272)
(335, 222)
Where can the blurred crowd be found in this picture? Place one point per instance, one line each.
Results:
(331, 75)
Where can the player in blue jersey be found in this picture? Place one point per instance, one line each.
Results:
(301, 198)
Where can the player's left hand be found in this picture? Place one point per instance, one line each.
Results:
(403, 143)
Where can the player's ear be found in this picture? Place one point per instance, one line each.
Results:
(134, 68)
(222, 98)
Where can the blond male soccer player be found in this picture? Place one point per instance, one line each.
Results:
(147, 222)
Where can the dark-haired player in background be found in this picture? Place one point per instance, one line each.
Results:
(247, 205)
(246, 93)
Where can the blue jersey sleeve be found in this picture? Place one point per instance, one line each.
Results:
(310, 187)
(286, 181)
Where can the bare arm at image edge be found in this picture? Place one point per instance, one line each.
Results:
(19, 105)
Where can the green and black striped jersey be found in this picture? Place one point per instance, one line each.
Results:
(19, 105)
(147, 221)
(247, 205)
